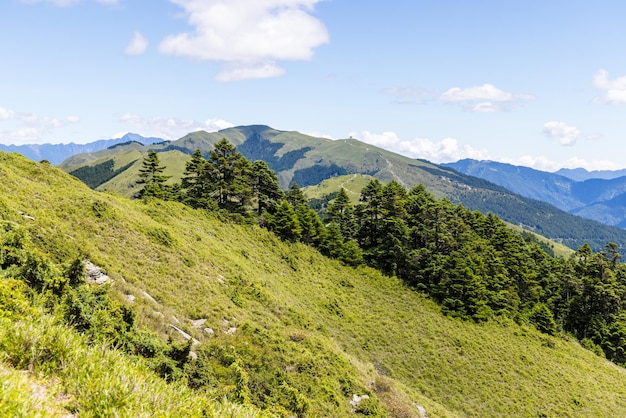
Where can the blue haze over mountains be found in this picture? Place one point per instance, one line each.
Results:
(600, 196)
(57, 153)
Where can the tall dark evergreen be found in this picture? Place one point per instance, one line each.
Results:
(265, 187)
(284, 222)
(151, 177)
(341, 211)
(295, 195)
(228, 174)
(196, 182)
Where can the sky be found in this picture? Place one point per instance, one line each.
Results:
(534, 83)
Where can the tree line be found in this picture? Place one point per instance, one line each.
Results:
(472, 264)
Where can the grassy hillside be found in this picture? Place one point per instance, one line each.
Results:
(328, 331)
(308, 161)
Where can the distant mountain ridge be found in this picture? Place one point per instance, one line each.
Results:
(308, 160)
(580, 174)
(57, 153)
(600, 199)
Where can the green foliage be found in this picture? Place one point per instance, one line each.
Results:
(329, 331)
(284, 223)
(94, 176)
(152, 178)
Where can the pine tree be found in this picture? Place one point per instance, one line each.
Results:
(265, 187)
(152, 177)
(295, 196)
(284, 223)
(196, 182)
(229, 175)
(342, 212)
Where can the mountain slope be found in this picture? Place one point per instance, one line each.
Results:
(592, 198)
(308, 160)
(339, 330)
(57, 153)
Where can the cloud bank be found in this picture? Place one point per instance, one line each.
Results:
(485, 98)
(28, 127)
(446, 150)
(171, 128)
(248, 36)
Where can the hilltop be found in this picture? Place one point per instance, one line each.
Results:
(308, 160)
(307, 331)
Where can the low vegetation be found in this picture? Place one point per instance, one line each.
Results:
(280, 328)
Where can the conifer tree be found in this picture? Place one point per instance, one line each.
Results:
(265, 187)
(284, 222)
(295, 196)
(229, 174)
(342, 212)
(196, 182)
(152, 177)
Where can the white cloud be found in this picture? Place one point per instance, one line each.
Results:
(446, 150)
(171, 128)
(248, 35)
(137, 45)
(567, 135)
(615, 90)
(30, 127)
(485, 98)
(545, 164)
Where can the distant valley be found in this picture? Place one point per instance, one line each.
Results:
(601, 198)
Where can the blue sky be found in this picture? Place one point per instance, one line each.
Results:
(536, 83)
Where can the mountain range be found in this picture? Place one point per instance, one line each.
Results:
(57, 153)
(602, 198)
(308, 160)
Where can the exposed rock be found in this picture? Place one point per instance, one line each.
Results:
(25, 216)
(185, 335)
(95, 274)
(356, 399)
(147, 296)
(198, 323)
(421, 411)
(131, 298)
(230, 331)
(193, 355)
(209, 332)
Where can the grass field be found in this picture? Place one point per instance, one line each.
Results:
(329, 330)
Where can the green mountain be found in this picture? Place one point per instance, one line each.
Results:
(308, 160)
(277, 325)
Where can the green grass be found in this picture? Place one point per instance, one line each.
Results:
(353, 183)
(328, 330)
(125, 183)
